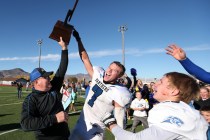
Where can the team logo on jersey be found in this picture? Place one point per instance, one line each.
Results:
(174, 120)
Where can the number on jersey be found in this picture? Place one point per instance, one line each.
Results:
(97, 92)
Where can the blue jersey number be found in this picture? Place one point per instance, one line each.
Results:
(97, 92)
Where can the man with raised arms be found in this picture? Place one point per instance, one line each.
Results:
(104, 95)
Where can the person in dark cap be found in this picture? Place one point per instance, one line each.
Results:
(42, 110)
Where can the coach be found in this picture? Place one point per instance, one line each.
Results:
(42, 110)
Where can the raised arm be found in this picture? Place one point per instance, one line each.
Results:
(83, 54)
(61, 71)
(175, 51)
(180, 55)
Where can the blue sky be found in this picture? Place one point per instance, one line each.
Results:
(152, 26)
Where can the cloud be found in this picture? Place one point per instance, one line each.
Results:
(139, 52)
(202, 47)
(103, 53)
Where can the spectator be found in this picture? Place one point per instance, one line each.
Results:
(145, 92)
(172, 118)
(27, 85)
(152, 101)
(208, 86)
(73, 97)
(205, 111)
(139, 85)
(140, 107)
(204, 99)
(78, 88)
(66, 97)
(133, 72)
(19, 89)
(42, 110)
(104, 95)
(87, 89)
(179, 54)
(129, 112)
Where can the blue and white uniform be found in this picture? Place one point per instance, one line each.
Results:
(99, 101)
(169, 121)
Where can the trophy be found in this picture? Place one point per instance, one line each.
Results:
(63, 29)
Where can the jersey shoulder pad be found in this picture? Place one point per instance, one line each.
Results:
(97, 68)
(121, 95)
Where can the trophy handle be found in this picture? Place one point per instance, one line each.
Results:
(70, 13)
(63, 28)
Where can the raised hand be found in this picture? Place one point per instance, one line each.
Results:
(62, 44)
(76, 35)
(175, 51)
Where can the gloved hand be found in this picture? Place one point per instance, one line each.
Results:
(108, 119)
(76, 35)
(133, 72)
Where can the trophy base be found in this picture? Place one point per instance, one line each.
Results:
(61, 30)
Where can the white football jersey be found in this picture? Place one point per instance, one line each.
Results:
(98, 102)
(136, 103)
(178, 118)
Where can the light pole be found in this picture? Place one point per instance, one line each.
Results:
(122, 29)
(39, 42)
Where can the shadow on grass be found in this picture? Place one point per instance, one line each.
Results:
(6, 127)
(2, 115)
(128, 126)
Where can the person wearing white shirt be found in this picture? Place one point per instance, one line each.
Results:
(172, 118)
(139, 105)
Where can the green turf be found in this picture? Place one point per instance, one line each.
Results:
(10, 107)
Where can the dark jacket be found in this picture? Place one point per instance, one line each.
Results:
(200, 103)
(19, 85)
(39, 108)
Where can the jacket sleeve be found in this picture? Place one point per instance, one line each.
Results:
(30, 120)
(195, 70)
(57, 81)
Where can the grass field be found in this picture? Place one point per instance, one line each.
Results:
(10, 110)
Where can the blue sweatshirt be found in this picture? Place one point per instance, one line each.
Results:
(195, 70)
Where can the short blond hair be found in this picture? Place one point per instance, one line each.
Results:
(187, 86)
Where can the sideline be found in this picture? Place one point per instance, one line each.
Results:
(9, 131)
(11, 104)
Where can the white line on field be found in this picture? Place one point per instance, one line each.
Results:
(11, 104)
(8, 131)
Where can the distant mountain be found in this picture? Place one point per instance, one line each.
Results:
(13, 73)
